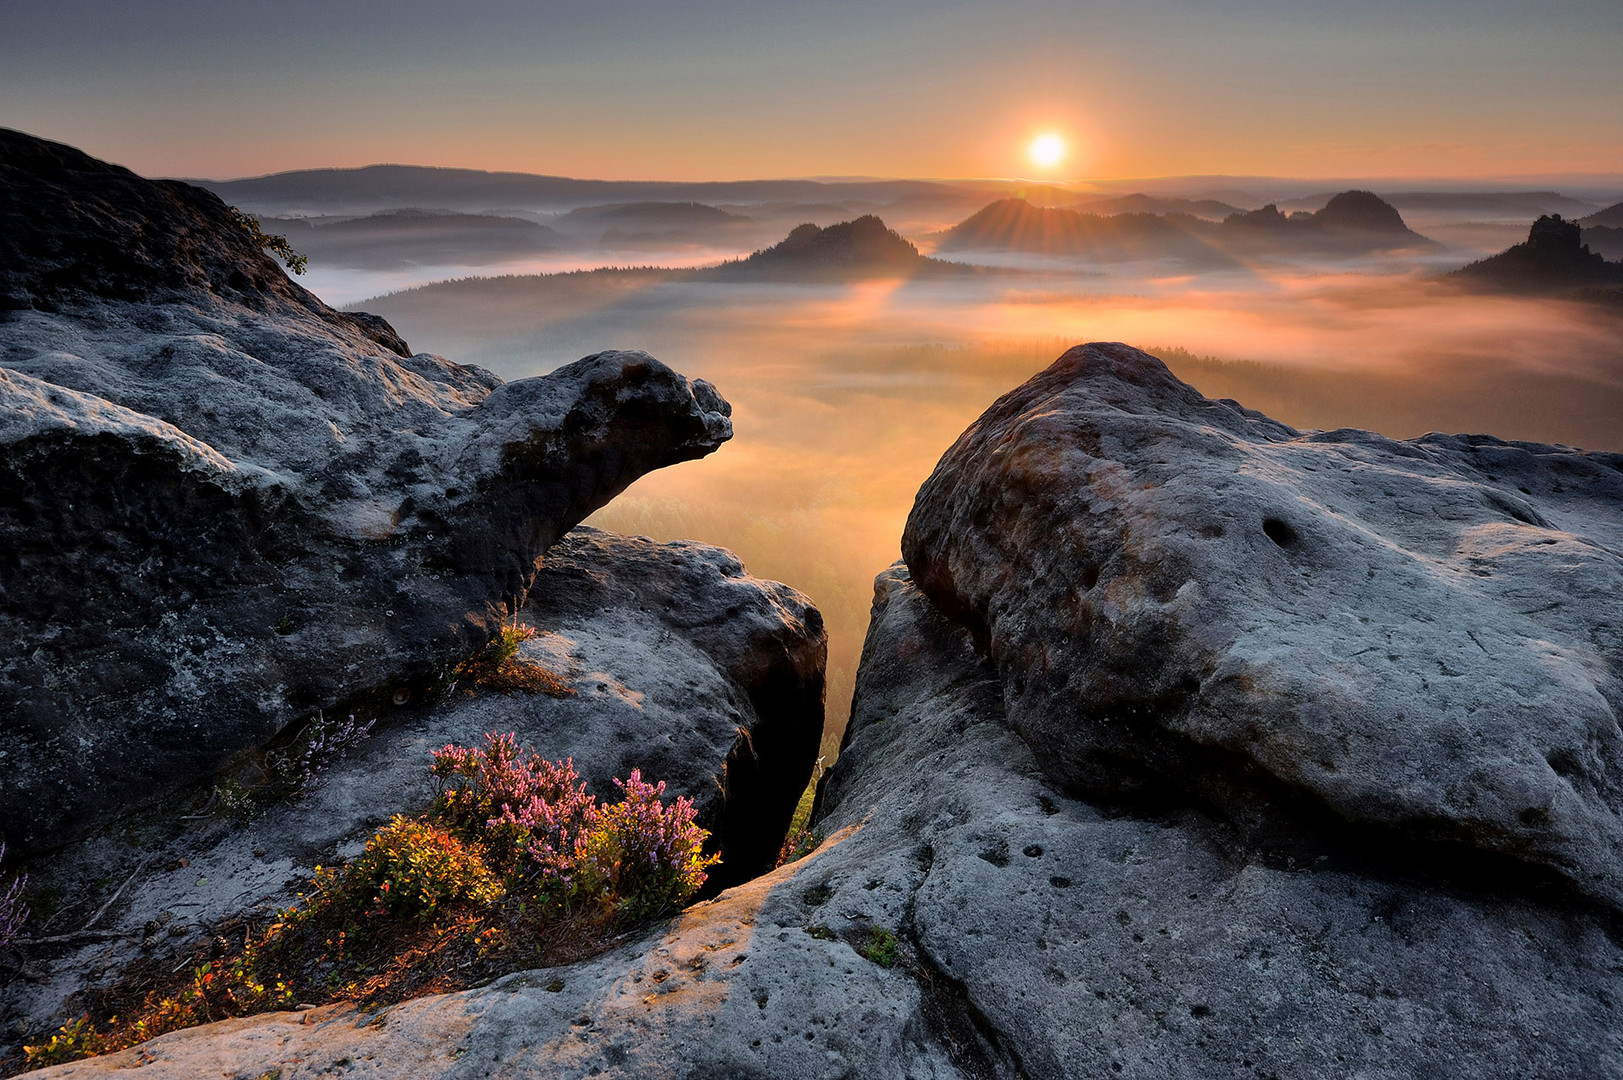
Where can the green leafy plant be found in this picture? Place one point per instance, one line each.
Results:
(213, 992)
(72, 1041)
(881, 947)
(407, 871)
(498, 667)
(802, 839)
(276, 245)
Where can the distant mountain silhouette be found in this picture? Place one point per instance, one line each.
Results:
(1154, 204)
(1604, 240)
(1552, 259)
(407, 237)
(1488, 204)
(1353, 222)
(1611, 217)
(1358, 220)
(864, 247)
(1016, 225)
(649, 224)
(378, 187)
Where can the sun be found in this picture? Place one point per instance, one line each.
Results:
(1047, 150)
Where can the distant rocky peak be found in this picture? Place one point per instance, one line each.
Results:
(866, 240)
(1264, 218)
(1553, 235)
(1360, 211)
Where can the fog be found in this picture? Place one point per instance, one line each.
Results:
(845, 396)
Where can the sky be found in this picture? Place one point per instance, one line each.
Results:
(729, 89)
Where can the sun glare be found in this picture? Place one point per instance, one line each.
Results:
(1047, 150)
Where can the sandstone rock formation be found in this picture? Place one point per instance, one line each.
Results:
(1040, 936)
(225, 506)
(1418, 640)
(1201, 747)
(678, 663)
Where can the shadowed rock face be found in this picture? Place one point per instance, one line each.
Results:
(1181, 595)
(224, 505)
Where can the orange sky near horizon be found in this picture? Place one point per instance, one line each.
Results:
(727, 89)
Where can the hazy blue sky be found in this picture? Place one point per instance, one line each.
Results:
(724, 89)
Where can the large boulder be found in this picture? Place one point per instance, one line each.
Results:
(1415, 640)
(225, 506)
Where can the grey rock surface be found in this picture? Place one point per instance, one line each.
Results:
(679, 662)
(225, 506)
(1040, 936)
(1421, 639)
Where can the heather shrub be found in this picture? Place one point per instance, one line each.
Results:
(648, 855)
(555, 845)
(514, 864)
(323, 743)
(802, 839)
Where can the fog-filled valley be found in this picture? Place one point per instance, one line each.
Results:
(849, 378)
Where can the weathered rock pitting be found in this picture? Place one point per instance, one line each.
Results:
(224, 505)
(1183, 594)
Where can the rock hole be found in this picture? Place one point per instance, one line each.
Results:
(1033, 851)
(1090, 577)
(1198, 1011)
(1279, 532)
(1047, 805)
(817, 896)
(1060, 882)
(997, 856)
(1564, 762)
